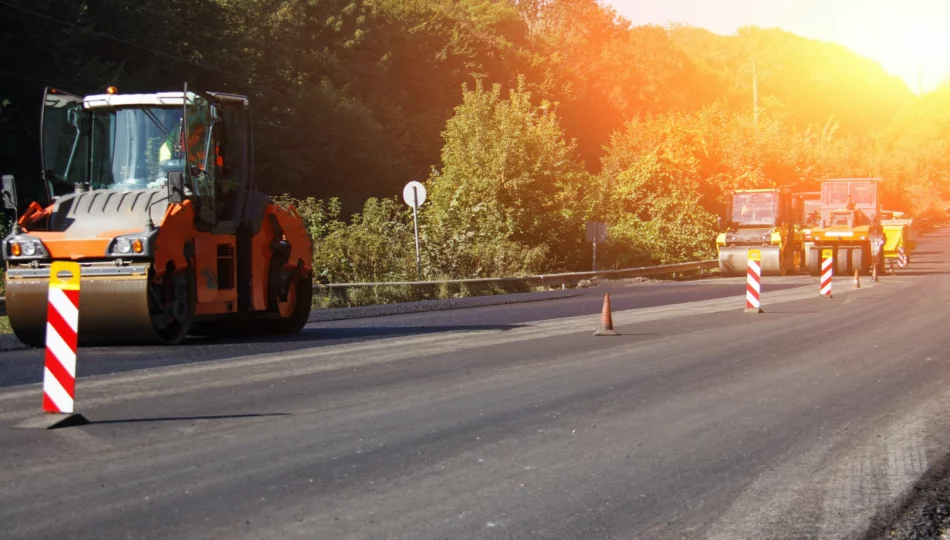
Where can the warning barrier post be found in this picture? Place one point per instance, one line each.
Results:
(62, 337)
(827, 272)
(753, 288)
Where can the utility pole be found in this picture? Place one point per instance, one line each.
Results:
(755, 93)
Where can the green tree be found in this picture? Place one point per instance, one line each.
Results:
(507, 198)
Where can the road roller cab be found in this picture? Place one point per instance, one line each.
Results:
(810, 204)
(154, 196)
(762, 219)
(850, 226)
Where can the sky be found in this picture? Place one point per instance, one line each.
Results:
(909, 38)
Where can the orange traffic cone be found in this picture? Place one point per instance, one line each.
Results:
(857, 280)
(606, 321)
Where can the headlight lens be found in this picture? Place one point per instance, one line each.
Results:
(26, 247)
(123, 245)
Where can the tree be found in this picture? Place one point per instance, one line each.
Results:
(507, 198)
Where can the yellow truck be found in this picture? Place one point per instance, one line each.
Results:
(762, 219)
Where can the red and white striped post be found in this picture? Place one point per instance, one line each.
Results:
(62, 336)
(827, 272)
(901, 257)
(753, 287)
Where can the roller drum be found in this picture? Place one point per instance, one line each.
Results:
(813, 260)
(734, 261)
(111, 310)
(772, 264)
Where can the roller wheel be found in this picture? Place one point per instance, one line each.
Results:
(843, 261)
(857, 262)
(174, 323)
(294, 311)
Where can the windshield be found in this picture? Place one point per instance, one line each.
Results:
(812, 212)
(124, 149)
(841, 193)
(862, 194)
(834, 194)
(753, 208)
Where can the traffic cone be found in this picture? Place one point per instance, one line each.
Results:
(857, 280)
(606, 322)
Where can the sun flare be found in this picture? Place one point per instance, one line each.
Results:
(909, 38)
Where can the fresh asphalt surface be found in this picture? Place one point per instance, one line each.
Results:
(22, 365)
(811, 420)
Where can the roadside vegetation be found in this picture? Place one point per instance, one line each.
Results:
(524, 118)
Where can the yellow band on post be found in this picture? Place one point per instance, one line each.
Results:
(755, 255)
(64, 275)
(826, 254)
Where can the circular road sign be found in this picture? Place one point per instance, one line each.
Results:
(407, 194)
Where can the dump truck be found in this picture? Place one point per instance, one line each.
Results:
(762, 219)
(850, 226)
(154, 196)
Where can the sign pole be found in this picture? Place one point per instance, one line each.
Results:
(595, 254)
(415, 225)
(414, 193)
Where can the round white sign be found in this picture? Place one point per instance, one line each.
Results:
(414, 193)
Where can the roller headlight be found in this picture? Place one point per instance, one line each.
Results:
(131, 246)
(123, 246)
(22, 247)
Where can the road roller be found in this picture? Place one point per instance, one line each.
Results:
(850, 227)
(765, 220)
(154, 196)
(810, 204)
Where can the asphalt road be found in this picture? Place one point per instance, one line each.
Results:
(811, 420)
(22, 365)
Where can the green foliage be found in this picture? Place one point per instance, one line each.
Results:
(645, 128)
(377, 245)
(508, 191)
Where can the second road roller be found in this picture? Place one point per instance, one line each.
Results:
(765, 220)
(154, 196)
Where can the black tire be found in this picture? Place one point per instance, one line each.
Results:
(178, 330)
(303, 299)
(303, 303)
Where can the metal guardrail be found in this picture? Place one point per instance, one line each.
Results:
(543, 279)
